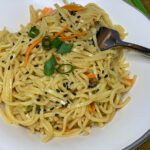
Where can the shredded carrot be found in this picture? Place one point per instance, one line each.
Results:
(73, 7)
(59, 33)
(72, 36)
(91, 76)
(34, 44)
(47, 10)
(130, 82)
(91, 108)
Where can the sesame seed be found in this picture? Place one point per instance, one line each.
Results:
(70, 26)
(13, 43)
(46, 93)
(65, 95)
(19, 33)
(52, 108)
(77, 21)
(37, 46)
(36, 65)
(106, 76)
(74, 93)
(38, 99)
(103, 71)
(98, 76)
(22, 41)
(57, 128)
(78, 16)
(11, 57)
(27, 72)
(64, 84)
(8, 67)
(57, 90)
(71, 83)
(56, 114)
(30, 39)
(3, 61)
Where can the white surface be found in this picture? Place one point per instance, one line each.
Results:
(129, 123)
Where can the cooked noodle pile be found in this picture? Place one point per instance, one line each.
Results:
(63, 104)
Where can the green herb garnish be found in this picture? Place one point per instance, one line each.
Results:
(46, 42)
(34, 32)
(65, 68)
(65, 48)
(49, 67)
(57, 42)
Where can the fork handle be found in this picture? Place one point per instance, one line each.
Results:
(142, 49)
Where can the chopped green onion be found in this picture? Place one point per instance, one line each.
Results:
(34, 32)
(46, 42)
(49, 67)
(65, 48)
(65, 68)
(57, 42)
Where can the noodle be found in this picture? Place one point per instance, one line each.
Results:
(63, 104)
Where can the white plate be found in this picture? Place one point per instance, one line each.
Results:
(129, 124)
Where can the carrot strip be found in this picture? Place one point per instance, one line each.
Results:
(91, 108)
(47, 10)
(34, 44)
(72, 36)
(73, 7)
(91, 76)
(59, 33)
(130, 82)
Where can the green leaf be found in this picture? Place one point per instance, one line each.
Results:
(65, 48)
(57, 42)
(49, 67)
(34, 32)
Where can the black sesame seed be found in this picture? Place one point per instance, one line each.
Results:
(37, 46)
(68, 102)
(38, 99)
(57, 102)
(78, 44)
(68, 88)
(56, 114)
(65, 95)
(103, 71)
(23, 55)
(13, 43)
(71, 83)
(61, 90)
(106, 76)
(89, 86)
(70, 26)
(30, 39)
(78, 16)
(52, 108)
(36, 65)
(19, 33)
(3, 61)
(77, 21)
(74, 93)
(64, 84)
(8, 67)
(98, 76)
(22, 41)
(44, 110)
(11, 57)
(57, 90)
(46, 93)
(57, 128)
(27, 72)
(38, 109)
